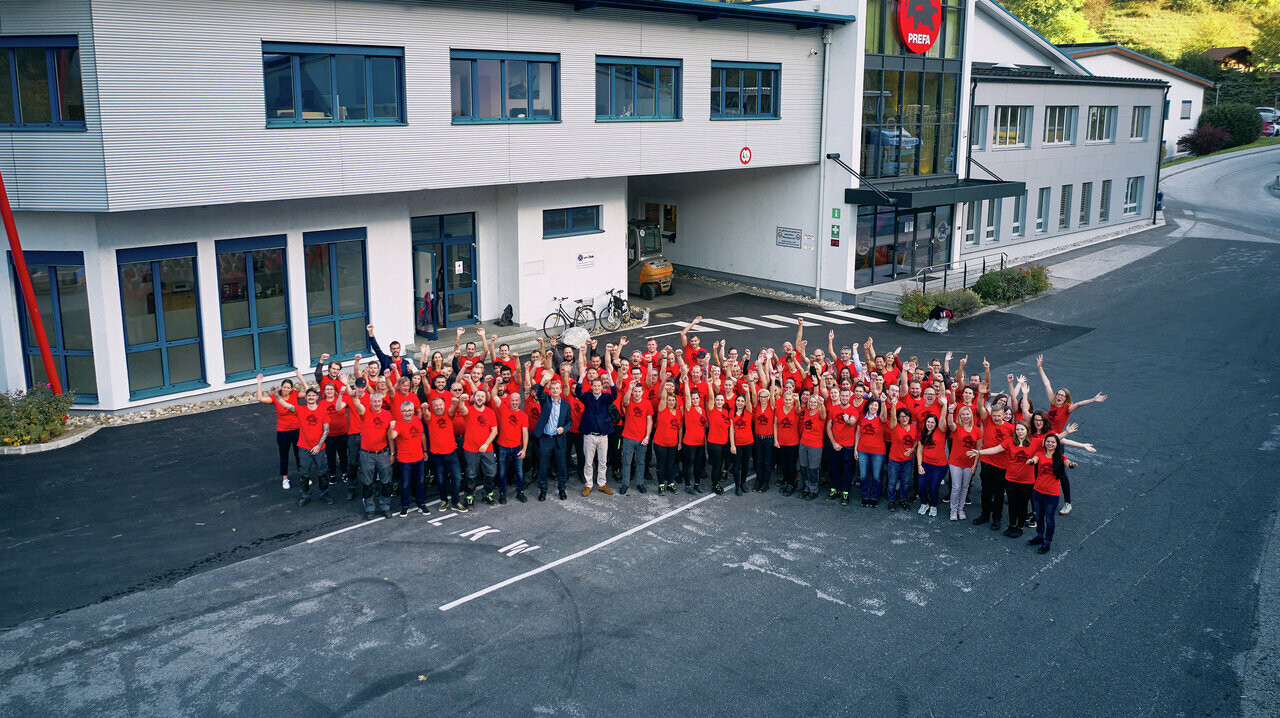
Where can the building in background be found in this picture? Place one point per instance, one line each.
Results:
(1186, 91)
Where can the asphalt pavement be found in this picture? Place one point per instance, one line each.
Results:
(1158, 598)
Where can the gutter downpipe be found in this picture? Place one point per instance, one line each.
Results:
(822, 167)
(1160, 154)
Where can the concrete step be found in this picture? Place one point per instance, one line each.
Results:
(522, 339)
(879, 302)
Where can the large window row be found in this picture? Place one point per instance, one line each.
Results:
(908, 123)
(332, 84)
(983, 224)
(1011, 126)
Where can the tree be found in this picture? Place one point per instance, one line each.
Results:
(1266, 49)
(1060, 21)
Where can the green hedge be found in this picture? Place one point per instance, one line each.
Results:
(32, 417)
(1011, 284)
(916, 305)
(1240, 120)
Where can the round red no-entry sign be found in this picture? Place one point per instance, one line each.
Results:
(744, 155)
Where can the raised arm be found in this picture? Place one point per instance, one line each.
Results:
(684, 333)
(1097, 399)
(301, 382)
(986, 372)
(324, 359)
(259, 395)
(1048, 388)
(831, 345)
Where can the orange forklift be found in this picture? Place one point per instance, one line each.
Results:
(648, 272)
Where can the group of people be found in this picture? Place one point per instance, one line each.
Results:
(479, 424)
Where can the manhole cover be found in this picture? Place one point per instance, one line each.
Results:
(663, 315)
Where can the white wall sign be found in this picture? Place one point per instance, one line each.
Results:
(586, 259)
(788, 237)
(808, 241)
(457, 267)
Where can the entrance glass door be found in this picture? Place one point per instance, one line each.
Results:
(897, 244)
(426, 305)
(460, 285)
(444, 272)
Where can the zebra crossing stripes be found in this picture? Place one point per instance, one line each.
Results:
(723, 324)
(821, 317)
(765, 321)
(785, 320)
(757, 322)
(855, 315)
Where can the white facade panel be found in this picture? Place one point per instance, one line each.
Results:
(1181, 91)
(61, 170)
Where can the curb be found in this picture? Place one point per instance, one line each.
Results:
(49, 445)
(1187, 166)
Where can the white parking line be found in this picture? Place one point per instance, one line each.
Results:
(854, 315)
(757, 322)
(831, 320)
(342, 531)
(570, 557)
(784, 320)
(726, 325)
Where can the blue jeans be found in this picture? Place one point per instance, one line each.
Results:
(899, 479)
(1046, 510)
(411, 484)
(872, 466)
(842, 470)
(510, 468)
(449, 474)
(633, 461)
(928, 483)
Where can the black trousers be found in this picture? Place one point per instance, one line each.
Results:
(992, 492)
(694, 459)
(1019, 495)
(335, 450)
(741, 462)
(716, 455)
(666, 458)
(763, 448)
(1066, 489)
(286, 441)
(788, 459)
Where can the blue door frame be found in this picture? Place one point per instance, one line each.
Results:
(52, 261)
(248, 247)
(439, 246)
(153, 256)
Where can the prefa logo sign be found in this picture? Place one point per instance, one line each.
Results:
(918, 23)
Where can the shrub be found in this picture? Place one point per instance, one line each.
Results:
(916, 305)
(1205, 140)
(1239, 119)
(1011, 284)
(32, 417)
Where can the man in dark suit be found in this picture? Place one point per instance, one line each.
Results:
(550, 431)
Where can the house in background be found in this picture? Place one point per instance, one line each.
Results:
(1238, 57)
(1186, 91)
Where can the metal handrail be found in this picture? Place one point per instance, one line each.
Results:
(921, 277)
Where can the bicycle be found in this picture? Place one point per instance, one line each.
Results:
(616, 310)
(559, 320)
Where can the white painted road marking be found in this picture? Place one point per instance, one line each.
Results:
(757, 322)
(571, 557)
(726, 325)
(831, 320)
(342, 531)
(853, 315)
(784, 320)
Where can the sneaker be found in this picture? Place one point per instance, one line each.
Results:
(460, 508)
(502, 499)
(326, 499)
(471, 500)
(404, 512)
(663, 487)
(368, 516)
(563, 495)
(831, 495)
(386, 513)
(718, 489)
(995, 525)
(845, 500)
(1044, 548)
(1012, 532)
(981, 520)
(284, 483)
(521, 497)
(924, 509)
(697, 488)
(893, 506)
(443, 507)
(640, 488)
(810, 495)
(933, 511)
(968, 501)
(962, 516)
(1035, 541)
(1066, 509)
(946, 496)
(488, 498)
(623, 489)
(1031, 523)
(303, 501)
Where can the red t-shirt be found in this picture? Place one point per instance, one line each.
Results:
(311, 425)
(789, 426)
(1018, 471)
(285, 420)
(762, 424)
(440, 434)
(511, 423)
(480, 423)
(666, 427)
(994, 434)
(873, 435)
(718, 426)
(691, 354)
(337, 418)
(702, 389)
(394, 401)
(1058, 418)
(842, 430)
(963, 440)
(446, 396)
(408, 440)
(920, 411)
(575, 413)
(811, 428)
(634, 424)
(742, 428)
(1046, 481)
(937, 453)
(902, 442)
(510, 362)
(373, 430)
(695, 426)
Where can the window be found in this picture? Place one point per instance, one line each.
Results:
(1011, 125)
(882, 32)
(1060, 125)
(40, 84)
(1102, 124)
(1186, 110)
(629, 89)
(567, 222)
(745, 91)
(1104, 202)
(337, 301)
(161, 304)
(1042, 210)
(1064, 208)
(1166, 109)
(909, 122)
(310, 85)
(58, 279)
(1020, 215)
(1138, 124)
(1086, 196)
(504, 86)
(971, 223)
(991, 231)
(254, 302)
(978, 127)
(1132, 195)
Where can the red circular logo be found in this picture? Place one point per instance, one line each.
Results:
(918, 23)
(744, 155)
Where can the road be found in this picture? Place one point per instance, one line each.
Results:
(1160, 596)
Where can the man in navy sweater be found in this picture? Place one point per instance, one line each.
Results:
(595, 426)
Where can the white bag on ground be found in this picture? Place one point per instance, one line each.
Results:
(938, 326)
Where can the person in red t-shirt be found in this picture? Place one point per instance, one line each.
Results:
(1050, 467)
(763, 433)
(813, 423)
(637, 423)
(477, 446)
(741, 440)
(902, 449)
(513, 445)
(313, 429)
(666, 439)
(443, 445)
(409, 446)
(786, 439)
(693, 439)
(992, 472)
(873, 449)
(965, 437)
(718, 428)
(335, 447)
(1060, 405)
(375, 456)
(286, 425)
(931, 462)
(842, 430)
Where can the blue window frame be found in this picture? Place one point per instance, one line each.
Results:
(324, 85)
(40, 83)
(504, 86)
(745, 90)
(164, 353)
(253, 297)
(58, 279)
(631, 89)
(571, 221)
(337, 293)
